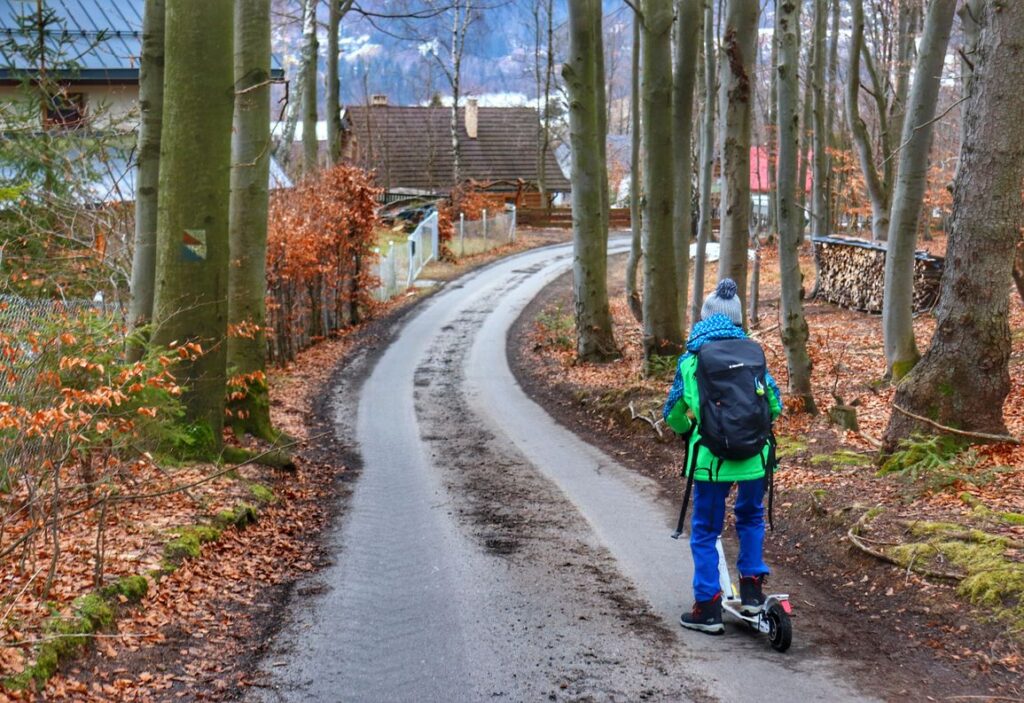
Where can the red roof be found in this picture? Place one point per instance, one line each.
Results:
(759, 170)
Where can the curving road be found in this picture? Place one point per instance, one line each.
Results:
(489, 553)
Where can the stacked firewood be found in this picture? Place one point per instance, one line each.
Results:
(852, 274)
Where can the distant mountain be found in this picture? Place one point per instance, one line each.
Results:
(394, 57)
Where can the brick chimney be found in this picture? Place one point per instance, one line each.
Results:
(379, 100)
(472, 117)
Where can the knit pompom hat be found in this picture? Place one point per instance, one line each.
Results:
(723, 301)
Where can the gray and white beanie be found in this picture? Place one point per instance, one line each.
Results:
(723, 301)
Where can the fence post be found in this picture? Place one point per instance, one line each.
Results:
(434, 244)
(512, 233)
(485, 225)
(412, 262)
(462, 234)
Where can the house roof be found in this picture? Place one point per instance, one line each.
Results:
(411, 147)
(102, 38)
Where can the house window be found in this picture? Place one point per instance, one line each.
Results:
(65, 110)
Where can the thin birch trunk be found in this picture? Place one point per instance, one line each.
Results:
(310, 92)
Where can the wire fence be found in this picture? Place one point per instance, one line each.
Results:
(491, 231)
(23, 322)
(403, 262)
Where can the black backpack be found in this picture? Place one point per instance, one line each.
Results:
(735, 415)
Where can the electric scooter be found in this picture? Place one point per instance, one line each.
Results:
(773, 617)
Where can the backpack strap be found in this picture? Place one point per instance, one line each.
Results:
(770, 463)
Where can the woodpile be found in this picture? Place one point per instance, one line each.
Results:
(852, 274)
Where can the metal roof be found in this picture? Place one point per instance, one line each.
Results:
(74, 38)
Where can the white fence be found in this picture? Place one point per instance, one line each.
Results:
(491, 231)
(402, 264)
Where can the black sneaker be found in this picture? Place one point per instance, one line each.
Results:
(706, 616)
(751, 595)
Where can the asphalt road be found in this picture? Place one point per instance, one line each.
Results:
(487, 553)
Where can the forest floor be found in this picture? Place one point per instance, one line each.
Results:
(197, 630)
(945, 615)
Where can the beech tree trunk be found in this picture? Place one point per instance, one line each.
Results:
(687, 37)
(819, 200)
(151, 105)
(635, 245)
(250, 172)
(970, 28)
(739, 44)
(310, 92)
(662, 331)
(830, 109)
(963, 379)
(793, 323)
(594, 339)
(190, 302)
(707, 160)
(338, 10)
(911, 180)
(875, 187)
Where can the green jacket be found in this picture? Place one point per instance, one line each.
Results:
(684, 397)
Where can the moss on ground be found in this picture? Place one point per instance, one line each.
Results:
(188, 543)
(241, 516)
(131, 588)
(789, 446)
(842, 457)
(990, 578)
(262, 493)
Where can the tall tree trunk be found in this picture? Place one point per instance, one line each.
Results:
(793, 323)
(247, 234)
(190, 302)
(819, 206)
(771, 121)
(806, 144)
(970, 27)
(739, 44)
(635, 246)
(594, 339)
(338, 10)
(151, 100)
(662, 331)
(911, 180)
(875, 187)
(830, 113)
(906, 32)
(687, 38)
(707, 159)
(310, 92)
(963, 379)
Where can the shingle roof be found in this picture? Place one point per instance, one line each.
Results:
(73, 37)
(411, 147)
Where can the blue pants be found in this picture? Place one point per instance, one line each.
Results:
(706, 526)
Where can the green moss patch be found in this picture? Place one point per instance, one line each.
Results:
(188, 543)
(989, 577)
(241, 516)
(790, 446)
(262, 493)
(131, 588)
(841, 458)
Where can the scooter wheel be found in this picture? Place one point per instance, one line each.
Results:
(780, 632)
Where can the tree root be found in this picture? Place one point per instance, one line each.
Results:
(274, 458)
(1001, 438)
(854, 536)
(654, 422)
